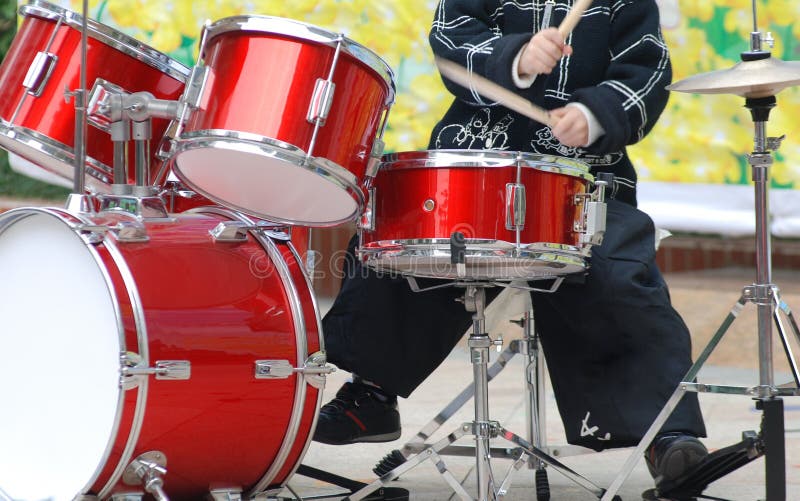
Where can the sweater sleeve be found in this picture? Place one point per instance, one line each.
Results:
(469, 33)
(632, 95)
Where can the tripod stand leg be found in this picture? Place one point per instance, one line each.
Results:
(787, 348)
(431, 453)
(554, 463)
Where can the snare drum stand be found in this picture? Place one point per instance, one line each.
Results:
(482, 428)
(535, 415)
(765, 295)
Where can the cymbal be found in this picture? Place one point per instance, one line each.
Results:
(760, 78)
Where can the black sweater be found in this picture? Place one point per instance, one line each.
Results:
(618, 69)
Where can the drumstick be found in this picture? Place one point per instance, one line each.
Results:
(573, 16)
(493, 91)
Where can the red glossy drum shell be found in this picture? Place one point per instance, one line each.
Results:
(222, 306)
(472, 200)
(50, 115)
(263, 84)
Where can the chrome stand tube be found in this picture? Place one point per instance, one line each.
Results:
(479, 344)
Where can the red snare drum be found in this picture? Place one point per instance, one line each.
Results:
(190, 343)
(253, 143)
(517, 211)
(36, 122)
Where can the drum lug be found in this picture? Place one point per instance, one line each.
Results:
(367, 221)
(515, 206)
(321, 101)
(314, 370)
(195, 96)
(148, 470)
(132, 370)
(374, 163)
(39, 73)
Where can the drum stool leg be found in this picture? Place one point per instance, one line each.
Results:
(482, 428)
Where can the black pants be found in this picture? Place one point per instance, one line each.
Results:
(615, 348)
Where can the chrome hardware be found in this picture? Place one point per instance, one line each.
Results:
(311, 263)
(132, 369)
(148, 470)
(105, 104)
(236, 231)
(225, 495)
(127, 496)
(592, 225)
(774, 143)
(231, 231)
(39, 73)
(80, 203)
(367, 220)
(148, 207)
(374, 163)
(92, 233)
(195, 96)
(131, 232)
(278, 235)
(428, 205)
(498, 343)
(321, 101)
(515, 206)
(314, 369)
(273, 369)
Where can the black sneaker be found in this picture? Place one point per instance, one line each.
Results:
(359, 413)
(672, 455)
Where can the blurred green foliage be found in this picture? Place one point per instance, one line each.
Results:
(11, 183)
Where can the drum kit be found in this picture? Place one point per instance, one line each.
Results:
(181, 248)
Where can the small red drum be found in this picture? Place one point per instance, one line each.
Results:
(183, 350)
(37, 118)
(288, 120)
(519, 213)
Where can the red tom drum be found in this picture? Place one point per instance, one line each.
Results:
(287, 121)
(37, 118)
(186, 348)
(520, 214)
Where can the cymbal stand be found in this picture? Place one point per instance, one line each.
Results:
(482, 428)
(765, 295)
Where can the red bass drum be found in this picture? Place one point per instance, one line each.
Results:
(37, 117)
(520, 215)
(182, 354)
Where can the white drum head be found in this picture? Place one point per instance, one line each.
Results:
(247, 178)
(59, 359)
